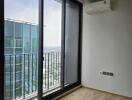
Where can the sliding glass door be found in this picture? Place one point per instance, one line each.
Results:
(61, 46)
(20, 49)
(71, 42)
(52, 45)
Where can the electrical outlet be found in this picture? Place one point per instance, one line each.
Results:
(107, 73)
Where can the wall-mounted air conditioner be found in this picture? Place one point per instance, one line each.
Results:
(98, 7)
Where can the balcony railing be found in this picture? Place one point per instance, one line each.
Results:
(21, 74)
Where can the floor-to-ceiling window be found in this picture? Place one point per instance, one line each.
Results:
(62, 49)
(71, 42)
(60, 31)
(52, 45)
(21, 48)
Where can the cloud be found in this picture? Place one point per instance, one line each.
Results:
(23, 10)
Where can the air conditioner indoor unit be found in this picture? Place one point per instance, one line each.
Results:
(98, 7)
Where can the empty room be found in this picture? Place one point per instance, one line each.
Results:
(66, 50)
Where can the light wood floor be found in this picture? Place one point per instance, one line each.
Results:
(90, 94)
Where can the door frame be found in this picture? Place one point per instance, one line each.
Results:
(40, 51)
(40, 55)
(2, 49)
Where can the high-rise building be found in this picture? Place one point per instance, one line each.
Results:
(21, 50)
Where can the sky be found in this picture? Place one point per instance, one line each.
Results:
(27, 10)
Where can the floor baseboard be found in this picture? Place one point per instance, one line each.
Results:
(66, 93)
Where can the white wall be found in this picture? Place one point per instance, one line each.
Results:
(107, 46)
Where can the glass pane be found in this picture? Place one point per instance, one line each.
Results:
(8, 29)
(21, 48)
(34, 38)
(18, 30)
(26, 38)
(52, 45)
(71, 42)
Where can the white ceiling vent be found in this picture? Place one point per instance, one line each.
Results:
(98, 7)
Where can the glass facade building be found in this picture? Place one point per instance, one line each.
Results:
(21, 61)
(21, 50)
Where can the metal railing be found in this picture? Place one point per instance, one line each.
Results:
(21, 74)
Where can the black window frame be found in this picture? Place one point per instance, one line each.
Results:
(40, 57)
(41, 33)
(2, 49)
